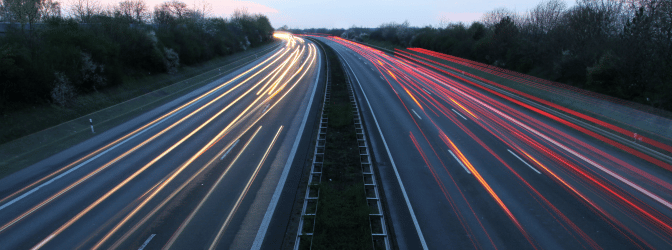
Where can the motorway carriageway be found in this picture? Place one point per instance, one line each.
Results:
(465, 168)
(204, 171)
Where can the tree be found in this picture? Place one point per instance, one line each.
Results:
(171, 12)
(135, 11)
(50, 9)
(546, 15)
(23, 11)
(84, 10)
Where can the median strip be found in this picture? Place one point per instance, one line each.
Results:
(340, 199)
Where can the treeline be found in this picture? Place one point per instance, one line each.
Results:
(47, 56)
(615, 47)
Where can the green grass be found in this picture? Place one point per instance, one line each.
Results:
(30, 135)
(342, 219)
(383, 44)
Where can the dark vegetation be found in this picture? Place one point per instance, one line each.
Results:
(614, 47)
(342, 218)
(49, 58)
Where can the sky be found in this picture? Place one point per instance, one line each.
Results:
(361, 13)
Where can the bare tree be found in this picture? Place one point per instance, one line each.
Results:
(490, 19)
(546, 15)
(83, 10)
(202, 9)
(135, 10)
(50, 9)
(169, 12)
(23, 11)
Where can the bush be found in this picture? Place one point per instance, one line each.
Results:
(111, 46)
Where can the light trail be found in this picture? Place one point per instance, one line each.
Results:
(128, 136)
(63, 227)
(212, 188)
(128, 152)
(214, 243)
(421, 81)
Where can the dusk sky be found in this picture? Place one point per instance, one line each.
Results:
(363, 13)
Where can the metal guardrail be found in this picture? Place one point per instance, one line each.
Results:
(309, 209)
(379, 234)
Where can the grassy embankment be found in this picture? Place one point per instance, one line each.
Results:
(342, 218)
(30, 135)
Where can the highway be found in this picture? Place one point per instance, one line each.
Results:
(205, 171)
(466, 168)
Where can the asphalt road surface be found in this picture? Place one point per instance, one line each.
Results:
(204, 171)
(464, 168)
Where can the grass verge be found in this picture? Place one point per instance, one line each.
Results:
(30, 135)
(342, 218)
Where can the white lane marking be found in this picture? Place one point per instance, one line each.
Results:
(423, 89)
(571, 151)
(458, 160)
(146, 242)
(458, 114)
(229, 150)
(514, 154)
(394, 166)
(109, 149)
(266, 108)
(263, 228)
(87, 161)
(416, 114)
(372, 69)
(38, 246)
(381, 77)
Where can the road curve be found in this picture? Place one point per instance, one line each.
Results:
(204, 171)
(463, 168)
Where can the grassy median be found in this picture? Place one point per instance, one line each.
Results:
(342, 218)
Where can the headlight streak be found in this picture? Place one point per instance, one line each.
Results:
(566, 139)
(233, 122)
(70, 222)
(212, 188)
(116, 159)
(111, 144)
(243, 194)
(173, 194)
(275, 72)
(275, 84)
(194, 176)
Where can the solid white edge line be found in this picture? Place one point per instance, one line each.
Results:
(458, 161)
(108, 150)
(514, 154)
(455, 111)
(394, 166)
(263, 228)
(229, 150)
(416, 114)
(147, 242)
